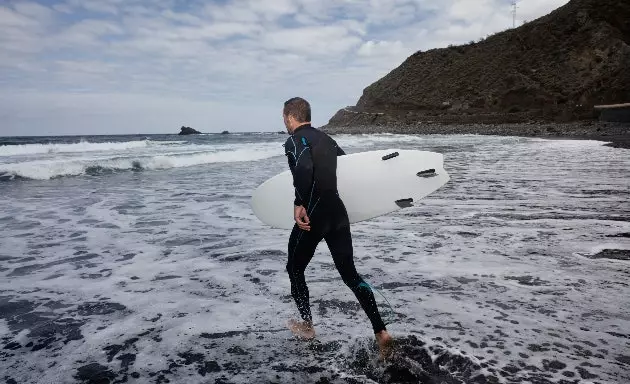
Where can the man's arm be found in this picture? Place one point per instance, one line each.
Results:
(298, 199)
(291, 160)
(301, 165)
(289, 152)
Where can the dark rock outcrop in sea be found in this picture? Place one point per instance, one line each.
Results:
(225, 133)
(188, 131)
(553, 69)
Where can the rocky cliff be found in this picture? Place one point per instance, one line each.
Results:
(555, 68)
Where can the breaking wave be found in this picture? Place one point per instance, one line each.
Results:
(83, 146)
(47, 160)
(48, 169)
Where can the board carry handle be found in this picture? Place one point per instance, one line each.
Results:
(405, 203)
(390, 156)
(427, 173)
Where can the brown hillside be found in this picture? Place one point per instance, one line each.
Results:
(553, 68)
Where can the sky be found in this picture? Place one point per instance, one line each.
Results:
(134, 66)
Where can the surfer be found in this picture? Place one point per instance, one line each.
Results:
(320, 213)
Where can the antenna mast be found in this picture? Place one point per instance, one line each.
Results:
(514, 13)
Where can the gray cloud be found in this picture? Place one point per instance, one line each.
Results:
(103, 60)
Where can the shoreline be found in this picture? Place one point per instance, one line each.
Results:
(616, 135)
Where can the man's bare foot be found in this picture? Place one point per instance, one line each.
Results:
(302, 329)
(385, 344)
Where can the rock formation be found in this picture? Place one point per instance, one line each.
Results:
(188, 131)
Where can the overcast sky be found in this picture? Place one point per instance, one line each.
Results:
(134, 66)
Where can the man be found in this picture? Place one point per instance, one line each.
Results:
(320, 214)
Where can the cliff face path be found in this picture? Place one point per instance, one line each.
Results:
(517, 271)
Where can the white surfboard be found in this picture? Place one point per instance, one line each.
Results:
(370, 184)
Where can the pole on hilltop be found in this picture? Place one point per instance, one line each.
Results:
(514, 13)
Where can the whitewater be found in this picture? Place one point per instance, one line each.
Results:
(50, 160)
(138, 259)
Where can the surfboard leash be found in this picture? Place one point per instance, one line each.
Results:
(392, 316)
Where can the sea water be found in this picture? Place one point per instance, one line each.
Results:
(139, 259)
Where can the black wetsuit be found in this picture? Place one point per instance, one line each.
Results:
(312, 157)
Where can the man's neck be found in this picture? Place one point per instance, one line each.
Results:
(302, 125)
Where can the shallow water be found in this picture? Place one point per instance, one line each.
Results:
(140, 260)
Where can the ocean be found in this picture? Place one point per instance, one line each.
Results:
(138, 259)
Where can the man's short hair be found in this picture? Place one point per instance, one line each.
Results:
(299, 108)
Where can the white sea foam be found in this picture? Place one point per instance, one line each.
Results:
(83, 146)
(47, 161)
(51, 168)
(489, 265)
(4, 328)
(368, 140)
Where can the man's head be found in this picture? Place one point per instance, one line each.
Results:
(297, 111)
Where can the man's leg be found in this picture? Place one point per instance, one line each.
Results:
(340, 244)
(302, 245)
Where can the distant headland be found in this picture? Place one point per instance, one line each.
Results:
(564, 74)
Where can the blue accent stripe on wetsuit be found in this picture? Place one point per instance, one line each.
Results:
(371, 288)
